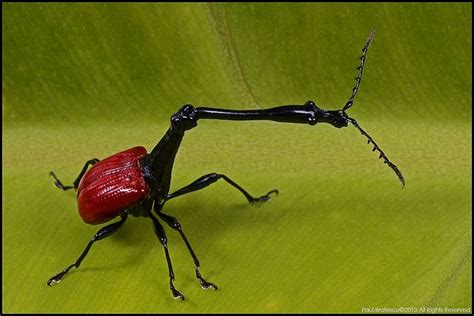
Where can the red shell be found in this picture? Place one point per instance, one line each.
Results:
(111, 185)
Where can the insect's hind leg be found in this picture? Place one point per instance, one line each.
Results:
(101, 234)
(63, 187)
(210, 178)
(173, 223)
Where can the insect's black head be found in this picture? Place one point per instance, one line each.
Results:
(336, 118)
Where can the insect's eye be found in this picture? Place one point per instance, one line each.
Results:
(343, 115)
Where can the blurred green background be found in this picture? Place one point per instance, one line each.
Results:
(88, 80)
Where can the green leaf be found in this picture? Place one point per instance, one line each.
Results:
(87, 80)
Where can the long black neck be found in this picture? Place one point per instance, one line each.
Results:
(161, 159)
(306, 114)
(159, 163)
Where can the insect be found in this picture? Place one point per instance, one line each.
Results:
(134, 182)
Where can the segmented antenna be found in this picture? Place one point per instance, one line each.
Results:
(359, 74)
(376, 147)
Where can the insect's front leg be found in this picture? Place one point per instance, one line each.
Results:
(210, 178)
(174, 224)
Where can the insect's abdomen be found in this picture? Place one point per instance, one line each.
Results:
(112, 185)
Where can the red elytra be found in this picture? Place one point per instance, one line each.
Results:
(112, 185)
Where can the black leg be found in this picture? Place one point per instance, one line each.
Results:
(160, 233)
(208, 179)
(79, 177)
(101, 234)
(173, 223)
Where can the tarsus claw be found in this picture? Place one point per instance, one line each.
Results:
(206, 285)
(265, 197)
(177, 294)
